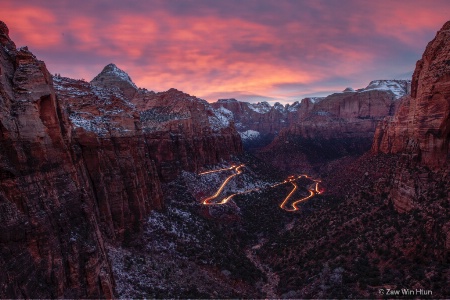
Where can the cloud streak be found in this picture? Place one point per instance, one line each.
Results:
(275, 49)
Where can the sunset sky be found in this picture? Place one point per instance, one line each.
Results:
(249, 50)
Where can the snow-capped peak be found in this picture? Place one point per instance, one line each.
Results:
(348, 89)
(398, 87)
(278, 106)
(113, 70)
(260, 107)
(293, 107)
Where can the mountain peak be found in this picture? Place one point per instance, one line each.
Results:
(112, 72)
(348, 90)
(398, 87)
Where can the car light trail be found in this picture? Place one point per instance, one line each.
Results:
(291, 179)
(222, 186)
(283, 204)
(218, 170)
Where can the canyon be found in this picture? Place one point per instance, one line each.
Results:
(110, 190)
(80, 163)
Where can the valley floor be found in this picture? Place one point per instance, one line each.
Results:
(348, 242)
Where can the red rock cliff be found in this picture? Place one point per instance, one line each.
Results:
(350, 113)
(420, 130)
(107, 139)
(184, 132)
(81, 164)
(50, 240)
(261, 117)
(341, 124)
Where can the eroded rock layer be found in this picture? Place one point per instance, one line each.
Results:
(50, 240)
(419, 132)
(338, 125)
(81, 164)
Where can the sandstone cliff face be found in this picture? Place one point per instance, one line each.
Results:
(80, 164)
(108, 140)
(347, 114)
(183, 132)
(179, 131)
(50, 241)
(261, 117)
(420, 130)
(338, 125)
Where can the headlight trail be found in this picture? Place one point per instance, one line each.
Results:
(291, 179)
(218, 170)
(282, 205)
(222, 186)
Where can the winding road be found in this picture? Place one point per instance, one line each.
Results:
(284, 204)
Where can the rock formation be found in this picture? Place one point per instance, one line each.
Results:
(81, 165)
(113, 77)
(420, 130)
(349, 114)
(261, 117)
(184, 132)
(50, 239)
(258, 122)
(107, 138)
(338, 125)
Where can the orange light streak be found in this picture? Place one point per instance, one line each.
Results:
(288, 196)
(291, 179)
(294, 204)
(218, 170)
(222, 186)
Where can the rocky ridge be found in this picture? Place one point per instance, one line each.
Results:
(338, 125)
(256, 121)
(81, 166)
(385, 224)
(419, 132)
(50, 239)
(351, 113)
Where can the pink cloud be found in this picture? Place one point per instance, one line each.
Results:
(211, 49)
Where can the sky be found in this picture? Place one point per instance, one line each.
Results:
(251, 50)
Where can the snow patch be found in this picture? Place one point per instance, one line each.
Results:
(92, 124)
(260, 107)
(221, 118)
(113, 70)
(279, 107)
(293, 107)
(398, 87)
(249, 135)
(349, 90)
(316, 99)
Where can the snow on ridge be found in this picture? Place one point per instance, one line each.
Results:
(316, 99)
(293, 107)
(93, 124)
(221, 118)
(278, 106)
(249, 135)
(113, 70)
(349, 90)
(228, 100)
(398, 87)
(226, 112)
(260, 107)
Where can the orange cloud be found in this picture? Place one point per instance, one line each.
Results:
(32, 24)
(205, 49)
